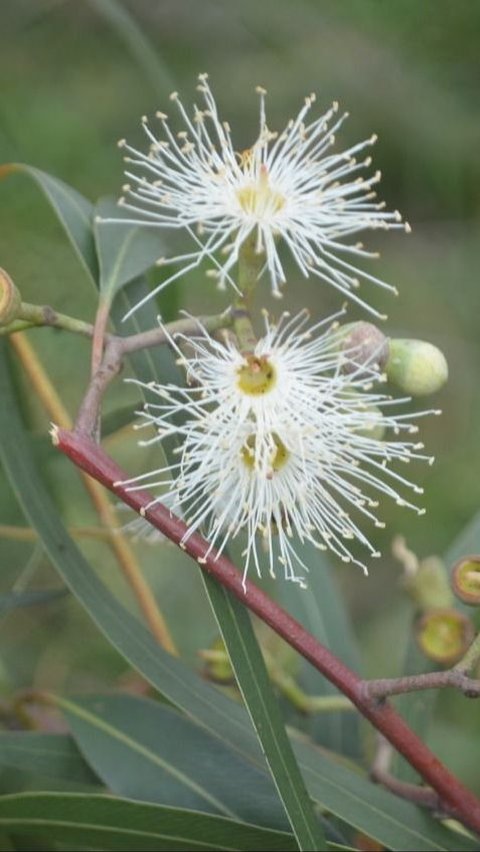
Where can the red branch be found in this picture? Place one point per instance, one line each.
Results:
(455, 798)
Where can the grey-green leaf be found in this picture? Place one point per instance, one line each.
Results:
(321, 610)
(53, 755)
(18, 600)
(145, 750)
(254, 682)
(145, 54)
(262, 706)
(395, 823)
(74, 212)
(105, 822)
(125, 251)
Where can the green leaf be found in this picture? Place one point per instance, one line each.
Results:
(395, 823)
(18, 600)
(109, 823)
(321, 610)
(467, 542)
(150, 365)
(376, 811)
(132, 744)
(262, 706)
(251, 674)
(124, 251)
(53, 755)
(74, 212)
(146, 55)
(118, 419)
(131, 639)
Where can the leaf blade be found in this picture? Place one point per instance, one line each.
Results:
(132, 743)
(74, 212)
(321, 610)
(251, 674)
(119, 823)
(125, 251)
(53, 755)
(254, 683)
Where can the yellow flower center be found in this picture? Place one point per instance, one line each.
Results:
(259, 199)
(256, 376)
(278, 457)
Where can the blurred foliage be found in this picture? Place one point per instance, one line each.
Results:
(75, 78)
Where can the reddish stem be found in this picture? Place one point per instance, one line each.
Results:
(455, 798)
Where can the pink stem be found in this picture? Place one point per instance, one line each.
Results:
(456, 799)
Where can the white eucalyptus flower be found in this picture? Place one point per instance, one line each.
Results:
(280, 445)
(288, 187)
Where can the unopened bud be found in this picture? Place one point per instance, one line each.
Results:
(429, 586)
(466, 580)
(415, 366)
(365, 346)
(425, 580)
(10, 299)
(217, 663)
(444, 635)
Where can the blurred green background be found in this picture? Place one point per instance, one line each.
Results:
(75, 77)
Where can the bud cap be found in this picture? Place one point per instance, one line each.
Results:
(416, 367)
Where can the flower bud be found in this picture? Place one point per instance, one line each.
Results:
(444, 635)
(366, 346)
(10, 299)
(466, 580)
(217, 663)
(429, 586)
(425, 580)
(415, 366)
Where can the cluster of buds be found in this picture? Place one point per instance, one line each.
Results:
(443, 632)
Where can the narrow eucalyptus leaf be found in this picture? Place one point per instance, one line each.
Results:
(125, 251)
(105, 822)
(134, 746)
(52, 755)
(19, 600)
(74, 212)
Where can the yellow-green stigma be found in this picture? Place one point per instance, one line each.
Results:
(278, 457)
(260, 199)
(257, 375)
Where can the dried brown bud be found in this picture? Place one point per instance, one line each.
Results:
(10, 299)
(365, 345)
(444, 635)
(466, 580)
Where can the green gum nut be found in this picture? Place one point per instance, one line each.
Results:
(466, 580)
(10, 299)
(429, 586)
(416, 367)
(444, 635)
